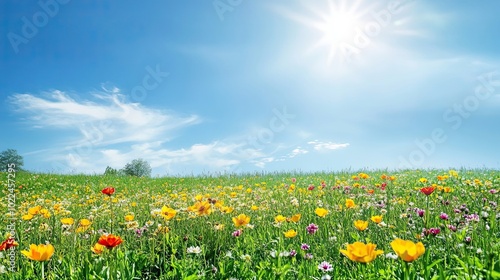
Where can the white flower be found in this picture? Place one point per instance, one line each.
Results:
(326, 277)
(194, 250)
(273, 253)
(391, 256)
(285, 254)
(246, 257)
(479, 251)
(229, 254)
(325, 266)
(2, 269)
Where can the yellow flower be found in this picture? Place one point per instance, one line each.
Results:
(290, 234)
(168, 213)
(67, 221)
(279, 219)
(45, 213)
(442, 177)
(295, 218)
(132, 225)
(376, 219)
(361, 225)
(129, 218)
(407, 250)
(453, 173)
(40, 252)
(35, 210)
(361, 252)
(198, 197)
(254, 208)
(219, 226)
(202, 208)
(227, 209)
(422, 180)
(85, 222)
(363, 176)
(322, 212)
(447, 189)
(27, 217)
(98, 248)
(241, 220)
(349, 203)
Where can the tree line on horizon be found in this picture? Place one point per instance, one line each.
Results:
(137, 167)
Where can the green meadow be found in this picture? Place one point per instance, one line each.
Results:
(338, 225)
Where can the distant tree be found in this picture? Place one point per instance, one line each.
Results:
(10, 156)
(111, 171)
(137, 167)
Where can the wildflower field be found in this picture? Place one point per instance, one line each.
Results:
(414, 224)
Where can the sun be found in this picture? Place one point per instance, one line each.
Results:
(339, 32)
(337, 26)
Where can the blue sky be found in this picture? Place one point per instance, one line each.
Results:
(244, 86)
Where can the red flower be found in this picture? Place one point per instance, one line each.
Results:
(427, 190)
(108, 191)
(110, 241)
(7, 244)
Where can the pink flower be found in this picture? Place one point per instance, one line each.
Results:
(312, 228)
(325, 267)
(434, 231)
(237, 233)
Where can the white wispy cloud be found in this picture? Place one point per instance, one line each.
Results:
(112, 120)
(322, 146)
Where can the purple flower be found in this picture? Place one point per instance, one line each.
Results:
(325, 267)
(305, 247)
(420, 212)
(308, 256)
(434, 231)
(293, 253)
(452, 228)
(312, 228)
(493, 191)
(472, 218)
(443, 216)
(237, 233)
(468, 239)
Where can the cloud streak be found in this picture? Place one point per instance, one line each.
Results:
(111, 121)
(325, 146)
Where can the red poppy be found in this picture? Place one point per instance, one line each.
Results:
(110, 241)
(7, 244)
(427, 190)
(108, 191)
